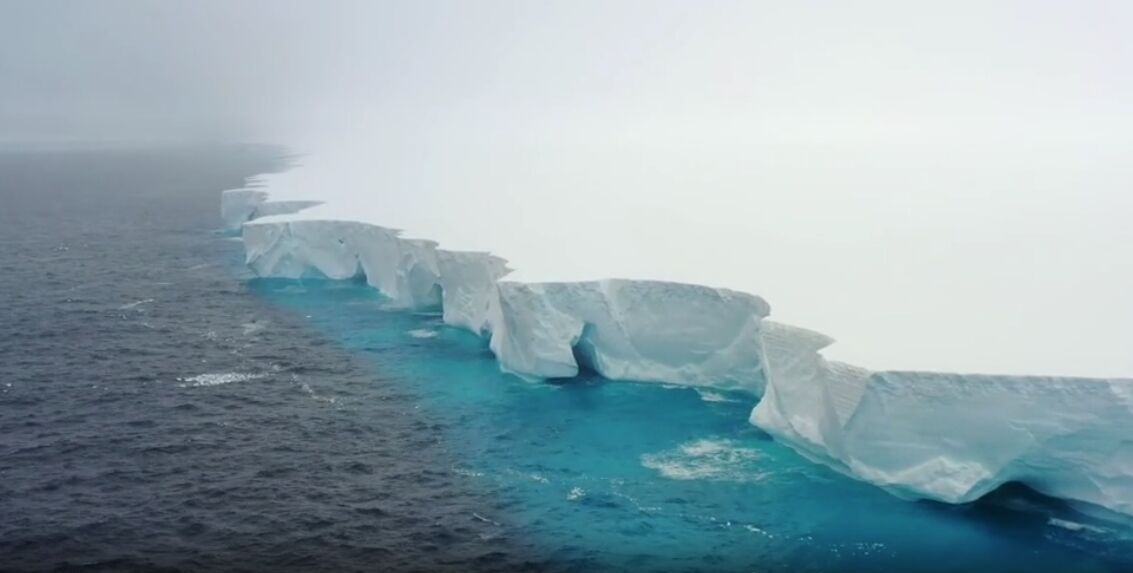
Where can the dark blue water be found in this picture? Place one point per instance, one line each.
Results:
(159, 408)
(156, 414)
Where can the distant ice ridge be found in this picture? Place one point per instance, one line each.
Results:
(947, 437)
(238, 206)
(950, 437)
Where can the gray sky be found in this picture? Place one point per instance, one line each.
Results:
(272, 68)
(937, 185)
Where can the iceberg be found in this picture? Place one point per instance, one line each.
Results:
(651, 331)
(950, 437)
(631, 330)
(238, 206)
(921, 435)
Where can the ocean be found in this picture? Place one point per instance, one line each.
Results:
(163, 409)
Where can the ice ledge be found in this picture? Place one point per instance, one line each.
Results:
(238, 206)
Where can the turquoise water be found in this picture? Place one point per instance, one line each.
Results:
(638, 476)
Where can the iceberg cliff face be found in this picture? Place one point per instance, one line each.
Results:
(946, 437)
(624, 330)
(237, 206)
(632, 330)
(951, 437)
(405, 271)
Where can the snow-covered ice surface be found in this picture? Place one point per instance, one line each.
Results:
(947, 437)
(238, 206)
(939, 256)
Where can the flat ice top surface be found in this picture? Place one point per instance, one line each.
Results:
(971, 256)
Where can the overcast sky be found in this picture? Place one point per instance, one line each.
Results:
(271, 68)
(936, 184)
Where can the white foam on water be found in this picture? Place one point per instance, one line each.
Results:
(135, 304)
(467, 472)
(311, 391)
(576, 493)
(217, 379)
(1073, 525)
(711, 459)
(422, 333)
(252, 327)
(479, 517)
(759, 531)
(710, 396)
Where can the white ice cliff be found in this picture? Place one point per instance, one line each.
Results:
(631, 330)
(946, 437)
(240, 205)
(624, 330)
(950, 437)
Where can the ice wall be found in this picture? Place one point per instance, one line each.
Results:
(624, 330)
(632, 330)
(238, 206)
(950, 437)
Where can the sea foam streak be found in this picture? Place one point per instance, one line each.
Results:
(713, 459)
(219, 378)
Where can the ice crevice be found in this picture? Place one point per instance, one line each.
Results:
(948, 437)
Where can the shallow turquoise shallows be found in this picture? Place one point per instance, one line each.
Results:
(647, 476)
